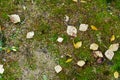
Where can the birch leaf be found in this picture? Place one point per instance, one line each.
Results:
(83, 27)
(8, 50)
(66, 18)
(75, 0)
(81, 63)
(94, 46)
(114, 47)
(94, 28)
(14, 18)
(1, 69)
(78, 44)
(82, 1)
(116, 74)
(60, 39)
(112, 38)
(69, 60)
(30, 34)
(58, 68)
(98, 53)
(109, 54)
(72, 31)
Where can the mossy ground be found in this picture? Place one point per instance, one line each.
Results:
(46, 19)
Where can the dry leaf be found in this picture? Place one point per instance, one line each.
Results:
(58, 68)
(98, 53)
(1, 69)
(112, 38)
(83, 27)
(66, 18)
(8, 50)
(68, 60)
(72, 31)
(75, 0)
(24, 7)
(81, 63)
(14, 18)
(114, 47)
(30, 34)
(116, 74)
(94, 28)
(78, 44)
(82, 1)
(94, 46)
(60, 39)
(109, 54)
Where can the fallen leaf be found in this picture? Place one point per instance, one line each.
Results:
(24, 7)
(30, 34)
(58, 68)
(68, 60)
(14, 18)
(94, 28)
(60, 39)
(94, 46)
(114, 47)
(75, 0)
(66, 18)
(98, 53)
(109, 54)
(82, 1)
(1, 69)
(116, 74)
(72, 31)
(81, 63)
(78, 44)
(8, 50)
(83, 27)
(112, 38)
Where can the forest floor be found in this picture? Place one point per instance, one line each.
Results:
(35, 58)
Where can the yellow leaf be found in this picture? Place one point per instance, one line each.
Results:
(112, 38)
(78, 44)
(82, 1)
(68, 60)
(8, 50)
(116, 74)
(75, 0)
(94, 28)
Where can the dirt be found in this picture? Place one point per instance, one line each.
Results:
(44, 65)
